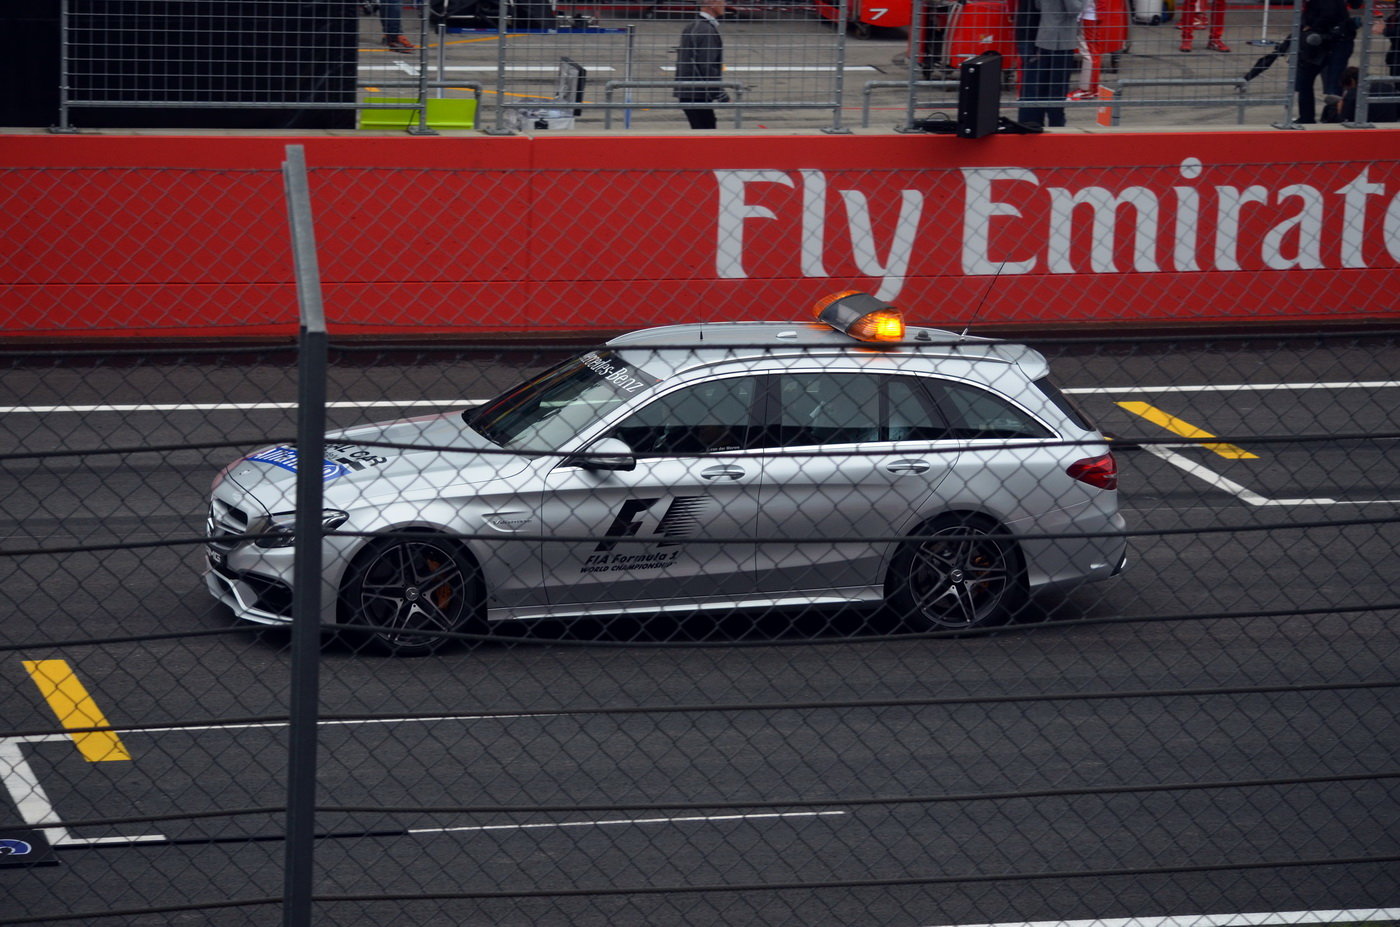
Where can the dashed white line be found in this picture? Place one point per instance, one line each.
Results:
(701, 818)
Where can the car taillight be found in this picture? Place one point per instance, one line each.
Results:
(1096, 471)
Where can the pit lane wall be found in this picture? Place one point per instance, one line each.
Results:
(161, 236)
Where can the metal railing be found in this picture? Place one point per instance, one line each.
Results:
(873, 86)
(736, 87)
(1117, 102)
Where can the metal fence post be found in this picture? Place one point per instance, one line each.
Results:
(1295, 46)
(64, 87)
(422, 127)
(306, 599)
(917, 29)
(842, 27)
(1359, 119)
(499, 128)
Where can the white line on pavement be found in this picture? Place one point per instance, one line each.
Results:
(1352, 916)
(234, 406)
(1205, 474)
(1234, 387)
(33, 802)
(704, 818)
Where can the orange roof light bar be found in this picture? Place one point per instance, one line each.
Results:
(861, 316)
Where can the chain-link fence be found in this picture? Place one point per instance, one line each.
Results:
(685, 736)
(503, 66)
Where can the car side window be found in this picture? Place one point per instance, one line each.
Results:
(827, 408)
(977, 413)
(700, 419)
(911, 414)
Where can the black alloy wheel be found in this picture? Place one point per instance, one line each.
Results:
(409, 590)
(962, 572)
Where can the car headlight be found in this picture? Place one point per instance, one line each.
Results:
(281, 528)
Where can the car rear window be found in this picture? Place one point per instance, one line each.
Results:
(1065, 404)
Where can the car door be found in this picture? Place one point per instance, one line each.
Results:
(680, 525)
(1010, 460)
(853, 459)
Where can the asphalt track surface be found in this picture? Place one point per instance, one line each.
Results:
(664, 790)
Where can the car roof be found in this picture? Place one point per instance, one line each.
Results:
(680, 348)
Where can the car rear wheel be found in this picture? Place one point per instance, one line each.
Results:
(962, 572)
(408, 590)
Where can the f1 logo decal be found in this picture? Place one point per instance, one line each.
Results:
(627, 522)
(682, 518)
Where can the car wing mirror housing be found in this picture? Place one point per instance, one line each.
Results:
(605, 454)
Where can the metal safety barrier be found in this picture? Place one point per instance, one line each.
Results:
(1241, 85)
(612, 86)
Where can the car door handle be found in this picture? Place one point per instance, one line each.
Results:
(908, 466)
(722, 473)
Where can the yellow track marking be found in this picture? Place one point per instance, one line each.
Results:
(74, 708)
(1186, 430)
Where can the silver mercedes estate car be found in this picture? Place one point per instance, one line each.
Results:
(718, 466)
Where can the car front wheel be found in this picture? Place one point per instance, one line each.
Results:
(961, 572)
(405, 591)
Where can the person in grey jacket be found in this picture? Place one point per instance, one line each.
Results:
(1047, 60)
(701, 57)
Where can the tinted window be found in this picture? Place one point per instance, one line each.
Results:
(545, 412)
(851, 408)
(827, 408)
(698, 419)
(1064, 404)
(977, 413)
(911, 416)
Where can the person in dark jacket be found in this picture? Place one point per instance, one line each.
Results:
(1389, 29)
(1375, 112)
(700, 57)
(1324, 27)
(1047, 33)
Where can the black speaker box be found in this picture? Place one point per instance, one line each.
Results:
(979, 95)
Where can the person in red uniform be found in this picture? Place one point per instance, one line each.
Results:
(1191, 10)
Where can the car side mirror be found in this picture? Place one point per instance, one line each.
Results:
(605, 454)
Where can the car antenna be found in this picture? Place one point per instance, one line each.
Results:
(981, 302)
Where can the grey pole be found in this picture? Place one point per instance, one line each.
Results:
(306, 597)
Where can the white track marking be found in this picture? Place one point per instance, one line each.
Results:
(1234, 387)
(1207, 475)
(236, 406)
(1352, 916)
(29, 796)
(703, 818)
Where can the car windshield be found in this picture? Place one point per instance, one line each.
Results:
(544, 413)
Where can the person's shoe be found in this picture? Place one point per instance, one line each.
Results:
(1217, 45)
(1186, 44)
(397, 43)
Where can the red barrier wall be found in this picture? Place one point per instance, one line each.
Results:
(169, 236)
